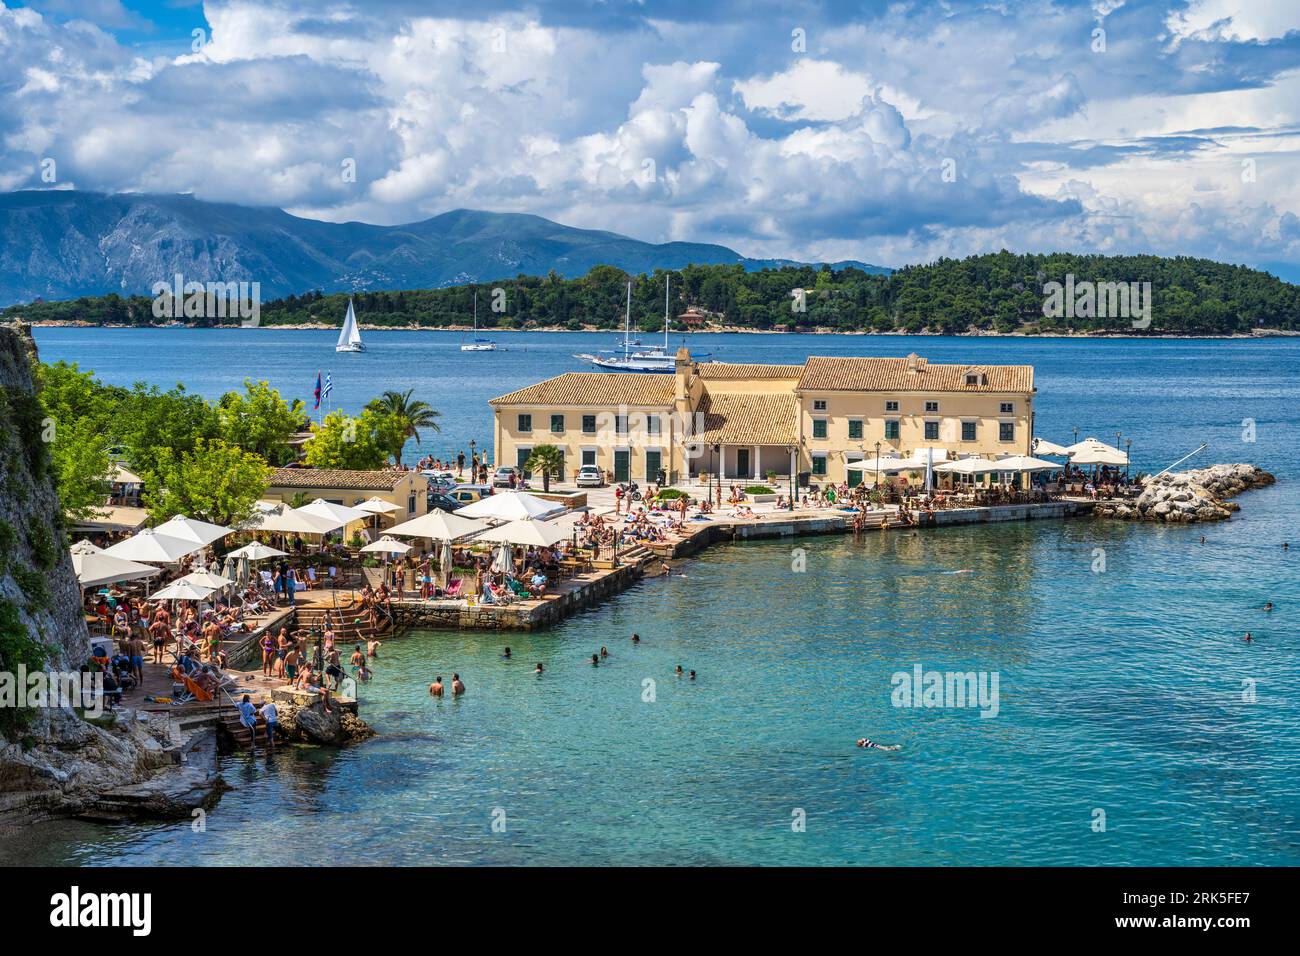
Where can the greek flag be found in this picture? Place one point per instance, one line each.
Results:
(329, 385)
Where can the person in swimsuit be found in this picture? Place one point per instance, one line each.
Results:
(871, 744)
(457, 685)
(159, 631)
(539, 668)
(435, 689)
(268, 654)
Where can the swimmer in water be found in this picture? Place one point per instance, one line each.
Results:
(435, 689)
(1248, 639)
(604, 651)
(457, 685)
(506, 654)
(872, 745)
(692, 675)
(595, 660)
(539, 668)
(679, 670)
(636, 638)
(1268, 605)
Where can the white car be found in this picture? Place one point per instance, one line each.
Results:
(501, 478)
(589, 476)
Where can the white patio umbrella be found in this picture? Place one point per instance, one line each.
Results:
(257, 552)
(154, 547)
(1025, 463)
(1090, 451)
(387, 545)
(378, 506)
(327, 509)
(526, 531)
(969, 466)
(206, 579)
(181, 590)
(1044, 447)
(886, 465)
(510, 506)
(502, 561)
(191, 529)
(93, 567)
(439, 526)
(445, 560)
(295, 521)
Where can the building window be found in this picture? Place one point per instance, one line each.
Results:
(525, 423)
(652, 424)
(931, 406)
(891, 429)
(972, 379)
(967, 431)
(855, 429)
(620, 424)
(1007, 408)
(589, 456)
(410, 504)
(819, 464)
(931, 431)
(1006, 431)
(891, 406)
(589, 424)
(557, 424)
(819, 428)
(819, 404)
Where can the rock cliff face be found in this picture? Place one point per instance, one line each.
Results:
(51, 760)
(1199, 495)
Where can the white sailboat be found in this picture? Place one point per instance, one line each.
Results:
(478, 345)
(654, 359)
(350, 334)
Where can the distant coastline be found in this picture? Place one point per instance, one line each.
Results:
(711, 330)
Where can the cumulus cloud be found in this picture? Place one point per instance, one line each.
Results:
(894, 134)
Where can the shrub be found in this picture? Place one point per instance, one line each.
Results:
(671, 494)
(759, 490)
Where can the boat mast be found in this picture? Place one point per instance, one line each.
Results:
(476, 312)
(668, 280)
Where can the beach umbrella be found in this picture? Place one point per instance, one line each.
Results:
(439, 526)
(256, 552)
(295, 521)
(388, 545)
(206, 579)
(969, 466)
(154, 547)
(93, 567)
(526, 531)
(1044, 447)
(502, 561)
(510, 506)
(191, 529)
(378, 506)
(1025, 463)
(445, 560)
(885, 465)
(181, 590)
(328, 509)
(1090, 451)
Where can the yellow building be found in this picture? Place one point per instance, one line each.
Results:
(408, 490)
(755, 421)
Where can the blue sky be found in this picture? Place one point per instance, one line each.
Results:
(887, 132)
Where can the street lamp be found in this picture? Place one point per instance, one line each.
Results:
(876, 489)
(789, 453)
(718, 449)
(1128, 456)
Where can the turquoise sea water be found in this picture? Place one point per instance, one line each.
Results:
(1120, 691)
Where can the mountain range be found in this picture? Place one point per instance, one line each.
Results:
(61, 244)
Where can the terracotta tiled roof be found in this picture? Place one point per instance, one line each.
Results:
(718, 371)
(892, 375)
(595, 388)
(337, 478)
(741, 419)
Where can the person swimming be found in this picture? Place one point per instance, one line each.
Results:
(1268, 605)
(506, 654)
(1248, 639)
(539, 668)
(636, 638)
(604, 651)
(435, 689)
(679, 670)
(872, 745)
(595, 660)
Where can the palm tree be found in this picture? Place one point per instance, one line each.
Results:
(411, 416)
(548, 460)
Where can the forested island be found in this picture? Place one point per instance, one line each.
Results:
(997, 293)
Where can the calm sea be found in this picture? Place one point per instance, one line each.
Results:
(1126, 691)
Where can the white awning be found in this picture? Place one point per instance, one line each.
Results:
(527, 531)
(154, 547)
(93, 567)
(1090, 451)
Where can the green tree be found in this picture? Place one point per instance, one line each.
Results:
(260, 421)
(82, 469)
(548, 460)
(408, 415)
(213, 482)
(360, 443)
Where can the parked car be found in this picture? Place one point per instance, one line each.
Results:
(501, 477)
(468, 494)
(441, 502)
(590, 476)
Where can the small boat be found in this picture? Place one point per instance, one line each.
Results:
(350, 334)
(478, 345)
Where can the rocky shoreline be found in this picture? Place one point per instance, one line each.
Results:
(1182, 497)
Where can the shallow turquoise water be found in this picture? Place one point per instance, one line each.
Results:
(1120, 691)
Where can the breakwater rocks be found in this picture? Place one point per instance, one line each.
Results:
(1198, 495)
(303, 719)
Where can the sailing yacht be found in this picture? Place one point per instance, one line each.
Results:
(350, 334)
(655, 359)
(478, 345)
